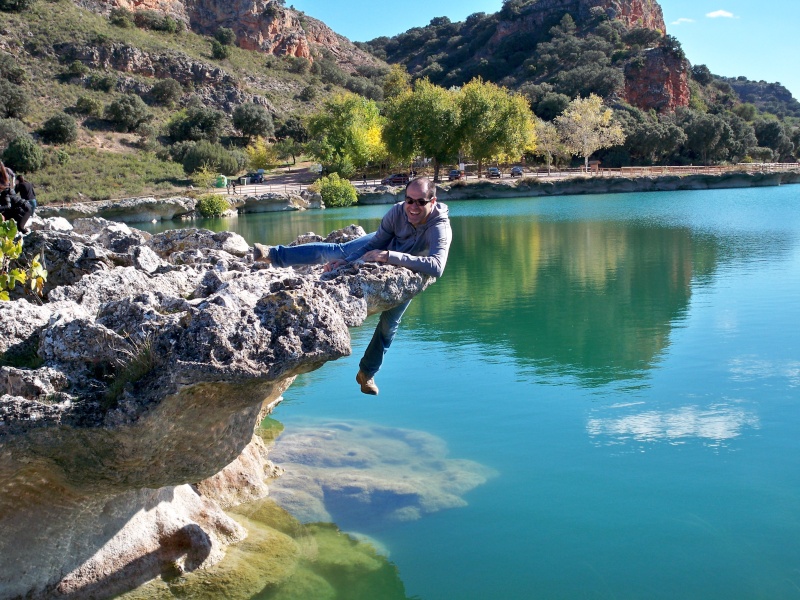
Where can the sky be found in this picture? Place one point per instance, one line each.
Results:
(757, 39)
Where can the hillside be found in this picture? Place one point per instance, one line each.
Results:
(112, 99)
(58, 58)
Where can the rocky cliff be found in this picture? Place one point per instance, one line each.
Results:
(544, 13)
(262, 25)
(144, 373)
(659, 80)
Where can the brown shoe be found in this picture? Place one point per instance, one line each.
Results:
(261, 253)
(367, 384)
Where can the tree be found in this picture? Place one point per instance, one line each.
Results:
(10, 129)
(346, 129)
(166, 92)
(707, 136)
(261, 154)
(772, 134)
(551, 105)
(128, 112)
(493, 122)
(293, 128)
(13, 100)
(424, 122)
(219, 51)
(548, 142)
(196, 123)
(225, 36)
(59, 129)
(288, 148)
(587, 126)
(396, 82)
(253, 120)
(24, 154)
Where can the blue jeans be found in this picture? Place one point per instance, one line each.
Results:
(316, 253)
(382, 338)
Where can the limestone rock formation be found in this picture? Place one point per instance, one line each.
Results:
(145, 372)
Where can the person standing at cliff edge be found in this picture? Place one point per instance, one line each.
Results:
(414, 233)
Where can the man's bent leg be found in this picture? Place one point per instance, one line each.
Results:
(382, 339)
(316, 253)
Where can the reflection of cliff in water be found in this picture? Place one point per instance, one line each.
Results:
(595, 300)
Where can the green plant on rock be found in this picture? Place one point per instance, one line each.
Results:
(335, 191)
(212, 205)
(134, 362)
(11, 273)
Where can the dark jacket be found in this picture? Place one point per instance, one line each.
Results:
(26, 191)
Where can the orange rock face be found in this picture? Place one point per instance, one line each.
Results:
(660, 82)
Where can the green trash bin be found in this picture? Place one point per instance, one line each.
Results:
(222, 181)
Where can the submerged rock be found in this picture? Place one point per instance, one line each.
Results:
(358, 472)
(144, 373)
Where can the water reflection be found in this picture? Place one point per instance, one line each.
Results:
(752, 368)
(594, 299)
(591, 300)
(712, 426)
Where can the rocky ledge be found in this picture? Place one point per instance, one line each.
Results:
(132, 393)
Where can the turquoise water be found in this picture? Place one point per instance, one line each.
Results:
(627, 365)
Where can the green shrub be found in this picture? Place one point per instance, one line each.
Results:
(166, 92)
(207, 153)
(24, 154)
(13, 100)
(225, 36)
(336, 191)
(86, 105)
(9, 69)
(212, 205)
(11, 272)
(121, 17)
(128, 112)
(156, 21)
(15, 5)
(341, 165)
(103, 82)
(219, 51)
(10, 129)
(59, 129)
(196, 123)
(76, 69)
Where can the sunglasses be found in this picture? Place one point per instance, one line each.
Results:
(417, 201)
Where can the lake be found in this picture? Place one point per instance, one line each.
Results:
(599, 399)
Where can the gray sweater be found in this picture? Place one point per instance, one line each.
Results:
(423, 249)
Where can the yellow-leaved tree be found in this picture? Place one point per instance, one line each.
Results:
(587, 126)
(261, 154)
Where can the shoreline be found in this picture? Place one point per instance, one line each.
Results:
(149, 209)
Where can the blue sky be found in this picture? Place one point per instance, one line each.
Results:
(760, 40)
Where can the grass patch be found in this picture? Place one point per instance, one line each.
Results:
(100, 175)
(138, 361)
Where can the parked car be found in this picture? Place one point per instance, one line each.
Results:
(396, 179)
(255, 177)
(493, 172)
(454, 175)
(516, 171)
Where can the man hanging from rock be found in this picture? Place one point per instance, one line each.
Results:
(414, 233)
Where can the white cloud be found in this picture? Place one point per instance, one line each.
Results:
(721, 13)
(682, 20)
